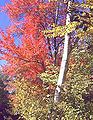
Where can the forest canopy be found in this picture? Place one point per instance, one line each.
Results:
(50, 67)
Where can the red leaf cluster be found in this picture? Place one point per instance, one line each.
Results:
(27, 59)
(28, 19)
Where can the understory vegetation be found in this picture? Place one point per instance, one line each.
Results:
(76, 97)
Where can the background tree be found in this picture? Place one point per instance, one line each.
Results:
(5, 107)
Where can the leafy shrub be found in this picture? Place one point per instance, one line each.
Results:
(31, 100)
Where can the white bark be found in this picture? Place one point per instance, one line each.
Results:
(63, 68)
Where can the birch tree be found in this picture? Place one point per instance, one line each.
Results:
(81, 25)
(64, 61)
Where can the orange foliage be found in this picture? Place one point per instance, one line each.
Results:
(27, 59)
(28, 19)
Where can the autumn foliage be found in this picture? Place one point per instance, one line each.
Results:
(28, 58)
(33, 60)
(28, 18)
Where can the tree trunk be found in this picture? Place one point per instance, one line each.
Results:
(63, 68)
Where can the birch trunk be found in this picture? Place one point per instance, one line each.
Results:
(63, 68)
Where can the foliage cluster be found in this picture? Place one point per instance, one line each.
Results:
(30, 100)
(76, 102)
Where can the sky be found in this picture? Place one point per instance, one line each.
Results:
(4, 21)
